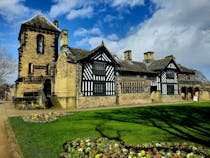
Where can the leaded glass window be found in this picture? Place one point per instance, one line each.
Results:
(99, 68)
(40, 44)
(99, 88)
(170, 75)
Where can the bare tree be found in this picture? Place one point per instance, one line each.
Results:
(7, 65)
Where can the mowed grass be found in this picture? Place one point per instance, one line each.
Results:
(187, 122)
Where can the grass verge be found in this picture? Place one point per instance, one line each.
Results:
(187, 122)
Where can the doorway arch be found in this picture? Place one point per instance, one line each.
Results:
(184, 92)
(47, 87)
(190, 93)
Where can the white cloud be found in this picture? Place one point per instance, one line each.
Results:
(181, 28)
(85, 8)
(62, 6)
(109, 18)
(13, 9)
(83, 42)
(82, 13)
(130, 3)
(86, 32)
(113, 37)
(72, 8)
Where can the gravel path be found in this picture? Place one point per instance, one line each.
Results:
(4, 149)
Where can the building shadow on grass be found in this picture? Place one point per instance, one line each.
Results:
(190, 123)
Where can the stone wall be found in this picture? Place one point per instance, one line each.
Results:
(132, 98)
(204, 96)
(30, 55)
(67, 102)
(65, 82)
(96, 101)
(156, 97)
(171, 98)
(34, 80)
(26, 87)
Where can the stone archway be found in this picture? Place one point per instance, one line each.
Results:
(183, 93)
(197, 89)
(190, 93)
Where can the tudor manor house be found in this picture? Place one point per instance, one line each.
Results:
(77, 78)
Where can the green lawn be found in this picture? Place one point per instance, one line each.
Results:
(165, 123)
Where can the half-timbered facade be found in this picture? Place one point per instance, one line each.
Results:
(93, 80)
(167, 78)
(98, 75)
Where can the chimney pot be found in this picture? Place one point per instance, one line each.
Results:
(56, 23)
(148, 57)
(128, 55)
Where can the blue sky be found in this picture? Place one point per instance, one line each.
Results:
(178, 27)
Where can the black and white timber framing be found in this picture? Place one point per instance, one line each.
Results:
(167, 80)
(98, 75)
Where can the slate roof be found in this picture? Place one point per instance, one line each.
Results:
(133, 66)
(185, 69)
(40, 21)
(76, 54)
(159, 64)
(162, 63)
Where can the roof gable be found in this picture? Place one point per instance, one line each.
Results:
(167, 62)
(101, 53)
(40, 21)
(98, 53)
(171, 66)
(101, 56)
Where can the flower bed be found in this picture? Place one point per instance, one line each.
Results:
(105, 148)
(45, 117)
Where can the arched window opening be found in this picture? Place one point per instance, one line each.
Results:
(40, 44)
(30, 68)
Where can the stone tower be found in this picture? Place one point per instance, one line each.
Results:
(38, 53)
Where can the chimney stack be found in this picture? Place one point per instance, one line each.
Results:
(56, 23)
(148, 57)
(64, 39)
(128, 55)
